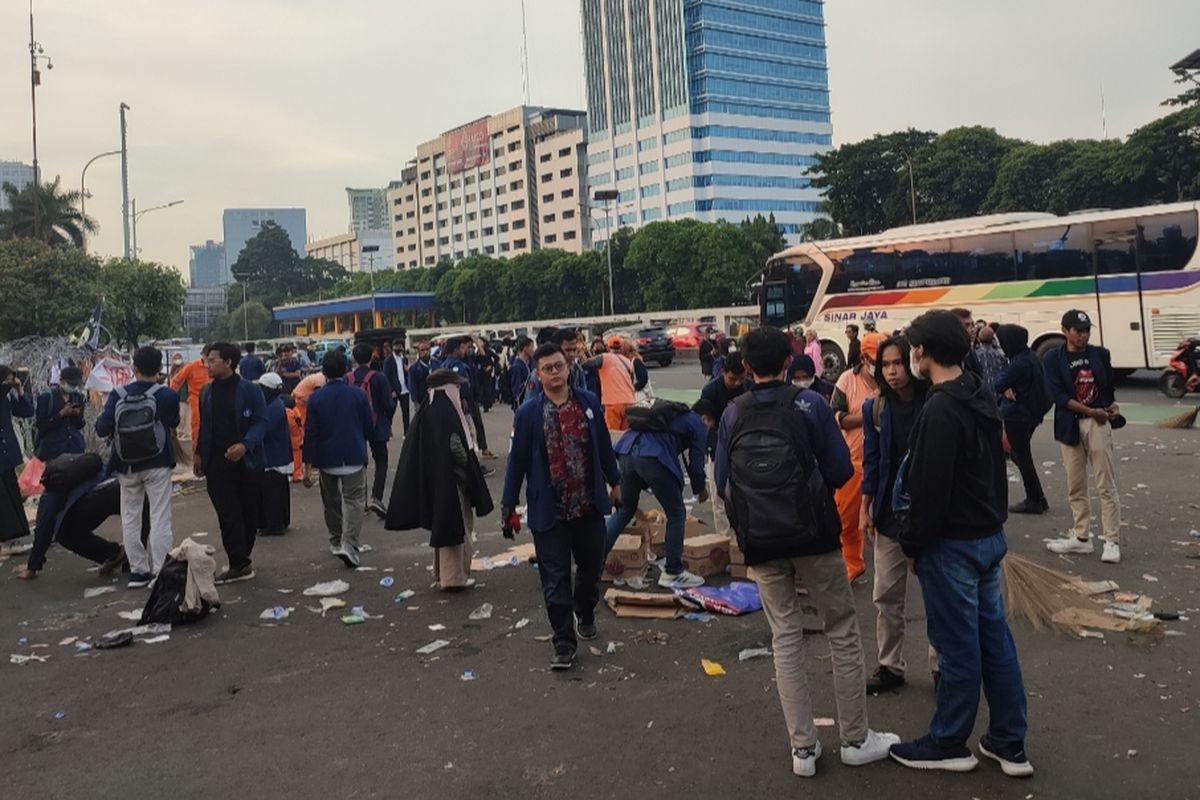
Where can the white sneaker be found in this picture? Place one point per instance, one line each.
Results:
(348, 555)
(682, 580)
(804, 760)
(874, 748)
(1112, 553)
(1071, 544)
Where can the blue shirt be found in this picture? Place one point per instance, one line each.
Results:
(686, 429)
(251, 367)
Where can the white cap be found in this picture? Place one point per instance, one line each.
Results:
(271, 380)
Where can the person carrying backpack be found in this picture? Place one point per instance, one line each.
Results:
(780, 455)
(1024, 401)
(649, 455)
(379, 395)
(139, 417)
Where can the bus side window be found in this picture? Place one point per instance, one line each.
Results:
(1116, 246)
(1046, 253)
(982, 259)
(1166, 241)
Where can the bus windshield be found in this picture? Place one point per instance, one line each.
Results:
(788, 290)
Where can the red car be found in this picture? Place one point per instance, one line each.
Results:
(688, 335)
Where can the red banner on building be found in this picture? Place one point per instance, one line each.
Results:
(467, 147)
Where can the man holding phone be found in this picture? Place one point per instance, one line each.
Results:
(59, 416)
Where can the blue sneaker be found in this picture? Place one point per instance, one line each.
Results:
(1011, 756)
(924, 753)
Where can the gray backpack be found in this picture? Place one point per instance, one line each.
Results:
(140, 435)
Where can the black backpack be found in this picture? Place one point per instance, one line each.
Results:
(69, 470)
(166, 598)
(778, 501)
(655, 418)
(1042, 401)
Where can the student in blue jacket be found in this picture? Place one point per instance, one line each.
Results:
(275, 510)
(562, 453)
(59, 416)
(520, 369)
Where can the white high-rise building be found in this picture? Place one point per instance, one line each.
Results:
(16, 173)
(711, 109)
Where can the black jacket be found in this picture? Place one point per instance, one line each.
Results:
(1057, 363)
(1023, 375)
(956, 474)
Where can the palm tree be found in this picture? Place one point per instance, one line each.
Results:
(58, 220)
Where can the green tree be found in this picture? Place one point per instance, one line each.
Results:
(866, 183)
(1162, 159)
(764, 237)
(727, 258)
(46, 213)
(47, 291)
(142, 300)
(1060, 177)
(819, 230)
(954, 173)
(274, 273)
(250, 321)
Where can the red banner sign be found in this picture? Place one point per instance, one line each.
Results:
(468, 147)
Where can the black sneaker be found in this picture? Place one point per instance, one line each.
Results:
(563, 660)
(272, 531)
(140, 580)
(586, 630)
(1028, 507)
(377, 508)
(884, 680)
(924, 753)
(487, 471)
(115, 563)
(1010, 757)
(233, 575)
(1045, 504)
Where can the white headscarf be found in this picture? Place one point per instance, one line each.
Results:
(455, 398)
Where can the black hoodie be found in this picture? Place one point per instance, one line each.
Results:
(956, 475)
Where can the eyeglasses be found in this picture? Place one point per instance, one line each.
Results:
(553, 367)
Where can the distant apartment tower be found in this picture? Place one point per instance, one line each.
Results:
(502, 185)
(353, 250)
(243, 224)
(16, 173)
(206, 267)
(711, 109)
(201, 308)
(368, 209)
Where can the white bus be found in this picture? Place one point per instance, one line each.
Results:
(1135, 271)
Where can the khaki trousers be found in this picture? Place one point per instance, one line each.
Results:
(829, 590)
(720, 518)
(891, 587)
(1095, 448)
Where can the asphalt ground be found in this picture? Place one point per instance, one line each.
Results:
(309, 707)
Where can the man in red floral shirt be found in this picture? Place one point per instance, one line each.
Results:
(563, 452)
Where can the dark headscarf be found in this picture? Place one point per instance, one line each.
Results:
(1014, 339)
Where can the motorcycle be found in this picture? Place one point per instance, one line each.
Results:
(1182, 368)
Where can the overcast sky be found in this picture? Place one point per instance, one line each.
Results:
(286, 102)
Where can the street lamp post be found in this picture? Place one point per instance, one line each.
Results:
(83, 193)
(606, 196)
(135, 215)
(36, 53)
(371, 250)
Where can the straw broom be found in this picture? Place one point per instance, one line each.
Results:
(1183, 420)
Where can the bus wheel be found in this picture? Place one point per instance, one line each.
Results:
(1048, 344)
(833, 361)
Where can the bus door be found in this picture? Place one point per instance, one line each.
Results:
(1121, 310)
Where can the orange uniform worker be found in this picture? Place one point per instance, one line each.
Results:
(195, 376)
(616, 384)
(853, 389)
(304, 390)
(296, 429)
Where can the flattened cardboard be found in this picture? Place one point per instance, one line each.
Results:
(644, 605)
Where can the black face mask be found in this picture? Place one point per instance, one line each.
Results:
(270, 394)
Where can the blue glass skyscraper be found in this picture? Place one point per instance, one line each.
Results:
(711, 109)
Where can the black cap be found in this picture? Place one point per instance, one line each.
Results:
(1077, 320)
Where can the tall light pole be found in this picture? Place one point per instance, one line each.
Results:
(371, 250)
(245, 316)
(83, 193)
(135, 215)
(125, 181)
(912, 188)
(607, 196)
(36, 53)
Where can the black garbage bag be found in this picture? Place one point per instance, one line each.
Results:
(166, 597)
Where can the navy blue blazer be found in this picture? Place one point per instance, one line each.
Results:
(418, 376)
(518, 375)
(528, 463)
(10, 448)
(168, 414)
(338, 425)
(878, 455)
(248, 404)
(277, 442)
(57, 434)
(381, 401)
(1062, 388)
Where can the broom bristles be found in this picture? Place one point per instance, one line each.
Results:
(1039, 594)
(1183, 420)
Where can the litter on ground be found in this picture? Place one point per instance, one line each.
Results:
(432, 647)
(711, 668)
(327, 589)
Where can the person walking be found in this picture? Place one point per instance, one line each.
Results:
(379, 396)
(395, 367)
(853, 389)
(189, 382)
(707, 352)
(439, 484)
(139, 417)
(520, 370)
(562, 452)
(335, 446)
(812, 346)
(59, 416)
(418, 374)
(1024, 400)
(13, 403)
(779, 456)
(718, 393)
(229, 457)
(888, 421)
(990, 356)
(275, 510)
(957, 484)
(457, 350)
(1080, 379)
(649, 459)
(251, 367)
(854, 346)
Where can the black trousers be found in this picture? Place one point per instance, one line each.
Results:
(1019, 436)
(77, 533)
(275, 510)
(480, 434)
(379, 454)
(405, 414)
(235, 493)
(582, 539)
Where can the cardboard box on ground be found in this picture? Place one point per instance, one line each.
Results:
(704, 553)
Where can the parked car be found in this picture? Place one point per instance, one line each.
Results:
(652, 343)
(688, 335)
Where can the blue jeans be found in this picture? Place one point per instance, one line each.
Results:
(637, 475)
(960, 581)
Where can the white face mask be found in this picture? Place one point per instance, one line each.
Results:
(914, 363)
(870, 369)
(803, 383)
